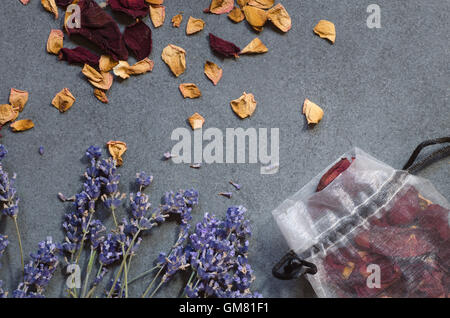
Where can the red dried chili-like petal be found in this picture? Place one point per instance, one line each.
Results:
(138, 38)
(133, 8)
(435, 219)
(333, 173)
(79, 55)
(100, 28)
(223, 47)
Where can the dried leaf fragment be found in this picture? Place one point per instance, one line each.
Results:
(55, 41)
(176, 20)
(255, 17)
(213, 72)
(63, 100)
(262, 4)
(190, 90)
(22, 125)
(220, 6)
(236, 15)
(101, 95)
(194, 25)
(313, 112)
(107, 63)
(326, 30)
(124, 70)
(158, 15)
(101, 80)
(50, 6)
(7, 113)
(244, 106)
(18, 98)
(279, 16)
(196, 121)
(116, 150)
(175, 57)
(254, 47)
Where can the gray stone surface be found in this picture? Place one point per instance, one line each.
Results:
(383, 90)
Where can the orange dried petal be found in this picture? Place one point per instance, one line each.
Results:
(55, 41)
(18, 99)
(157, 15)
(244, 106)
(213, 72)
(63, 100)
(101, 95)
(312, 112)
(221, 6)
(255, 17)
(194, 25)
(190, 90)
(155, 2)
(279, 16)
(262, 4)
(326, 30)
(242, 3)
(196, 121)
(107, 63)
(236, 15)
(22, 125)
(50, 6)
(255, 46)
(176, 20)
(116, 150)
(124, 70)
(175, 57)
(7, 113)
(101, 80)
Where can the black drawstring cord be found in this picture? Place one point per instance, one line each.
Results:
(411, 167)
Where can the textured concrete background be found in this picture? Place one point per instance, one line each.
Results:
(383, 90)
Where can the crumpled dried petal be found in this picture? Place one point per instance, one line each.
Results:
(236, 15)
(133, 8)
(213, 72)
(326, 30)
(333, 173)
(155, 2)
(18, 98)
(313, 112)
(157, 15)
(196, 121)
(190, 90)
(220, 6)
(138, 38)
(101, 80)
(255, 17)
(22, 125)
(79, 55)
(63, 100)
(50, 6)
(176, 20)
(242, 3)
(116, 150)
(62, 3)
(175, 57)
(244, 106)
(7, 113)
(262, 4)
(101, 95)
(279, 16)
(124, 70)
(55, 41)
(194, 25)
(223, 47)
(24, 2)
(107, 63)
(255, 46)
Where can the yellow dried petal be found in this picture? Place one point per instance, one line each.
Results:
(255, 46)
(155, 2)
(262, 4)
(101, 80)
(50, 6)
(221, 6)
(22, 125)
(101, 95)
(348, 270)
(18, 99)
(244, 106)
(194, 25)
(124, 70)
(326, 30)
(107, 63)
(255, 17)
(7, 113)
(312, 112)
(158, 15)
(280, 17)
(242, 3)
(63, 100)
(55, 41)
(213, 72)
(116, 150)
(176, 20)
(175, 57)
(236, 15)
(190, 90)
(196, 121)
(91, 73)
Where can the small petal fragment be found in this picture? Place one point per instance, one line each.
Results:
(55, 41)
(116, 150)
(190, 90)
(244, 106)
(313, 112)
(176, 20)
(326, 30)
(158, 15)
(107, 63)
(175, 57)
(50, 6)
(279, 16)
(63, 100)
(24, 2)
(196, 121)
(138, 38)
(18, 99)
(22, 125)
(236, 15)
(101, 96)
(221, 6)
(255, 46)
(242, 3)
(155, 2)
(223, 47)
(7, 113)
(101, 80)
(194, 25)
(262, 4)
(255, 17)
(213, 72)
(124, 70)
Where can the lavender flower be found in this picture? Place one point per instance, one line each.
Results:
(180, 203)
(41, 150)
(8, 194)
(3, 294)
(3, 243)
(116, 292)
(237, 186)
(110, 250)
(143, 180)
(3, 152)
(226, 194)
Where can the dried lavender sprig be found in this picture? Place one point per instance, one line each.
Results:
(3, 244)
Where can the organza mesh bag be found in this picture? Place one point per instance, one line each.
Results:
(364, 229)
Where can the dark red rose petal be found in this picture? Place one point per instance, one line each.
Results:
(435, 219)
(133, 8)
(100, 28)
(223, 47)
(79, 55)
(405, 209)
(333, 173)
(138, 38)
(63, 3)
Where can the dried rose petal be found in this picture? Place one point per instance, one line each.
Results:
(223, 47)
(138, 38)
(312, 112)
(7, 113)
(107, 63)
(157, 15)
(236, 15)
(280, 18)
(101, 95)
(254, 47)
(63, 100)
(435, 219)
(22, 125)
(190, 90)
(194, 25)
(326, 30)
(124, 70)
(155, 2)
(18, 98)
(24, 2)
(79, 55)
(196, 121)
(255, 17)
(101, 80)
(176, 20)
(50, 6)
(213, 72)
(244, 106)
(220, 6)
(63, 3)
(55, 41)
(116, 150)
(405, 208)
(133, 8)
(262, 4)
(333, 173)
(175, 57)
(242, 3)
